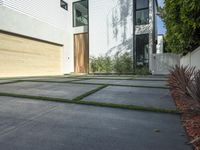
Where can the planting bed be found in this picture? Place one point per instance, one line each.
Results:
(190, 117)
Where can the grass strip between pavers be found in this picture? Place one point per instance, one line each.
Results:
(142, 86)
(101, 78)
(131, 79)
(131, 107)
(76, 82)
(111, 105)
(89, 93)
(9, 82)
(50, 81)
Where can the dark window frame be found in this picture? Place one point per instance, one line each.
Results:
(145, 62)
(64, 5)
(143, 7)
(140, 9)
(73, 6)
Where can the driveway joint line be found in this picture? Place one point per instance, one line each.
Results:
(80, 97)
(110, 105)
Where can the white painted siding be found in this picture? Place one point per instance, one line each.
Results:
(41, 19)
(48, 11)
(110, 26)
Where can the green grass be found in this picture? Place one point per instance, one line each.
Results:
(49, 81)
(73, 82)
(89, 78)
(100, 104)
(102, 78)
(9, 82)
(121, 85)
(131, 107)
(35, 97)
(89, 93)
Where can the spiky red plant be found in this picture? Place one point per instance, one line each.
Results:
(194, 86)
(180, 79)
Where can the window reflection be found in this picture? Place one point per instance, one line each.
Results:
(142, 17)
(80, 13)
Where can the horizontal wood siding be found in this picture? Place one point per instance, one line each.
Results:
(20, 56)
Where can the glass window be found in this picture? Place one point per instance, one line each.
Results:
(80, 13)
(142, 50)
(142, 16)
(63, 4)
(142, 12)
(142, 4)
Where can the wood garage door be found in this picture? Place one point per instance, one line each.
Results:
(21, 56)
(81, 53)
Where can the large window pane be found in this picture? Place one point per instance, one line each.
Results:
(142, 16)
(80, 13)
(142, 4)
(142, 50)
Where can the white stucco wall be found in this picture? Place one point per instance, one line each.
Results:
(44, 20)
(192, 59)
(110, 26)
(162, 63)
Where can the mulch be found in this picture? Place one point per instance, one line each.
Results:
(190, 117)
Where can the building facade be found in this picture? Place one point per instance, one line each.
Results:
(57, 37)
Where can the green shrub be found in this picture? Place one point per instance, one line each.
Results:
(120, 64)
(101, 64)
(142, 71)
(123, 63)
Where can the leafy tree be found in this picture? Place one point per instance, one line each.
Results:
(182, 20)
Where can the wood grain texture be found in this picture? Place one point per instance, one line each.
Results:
(20, 56)
(81, 53)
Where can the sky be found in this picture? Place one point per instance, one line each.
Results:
(160, 24)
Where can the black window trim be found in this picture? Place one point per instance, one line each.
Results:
(73, 12)
(145, 8)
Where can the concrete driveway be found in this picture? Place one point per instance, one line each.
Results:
(36, 124)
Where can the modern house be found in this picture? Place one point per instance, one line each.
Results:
(55, 37)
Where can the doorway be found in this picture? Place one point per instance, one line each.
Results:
(142, 50)
(81, 53)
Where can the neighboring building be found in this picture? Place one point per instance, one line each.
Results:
(54, 37)
(160, 44)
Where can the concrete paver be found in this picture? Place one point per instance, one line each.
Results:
(78, 127)
(148, 97)
(126, 82)
(55, 90)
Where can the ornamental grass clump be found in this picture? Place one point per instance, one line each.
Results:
(194, 88)
(180, 79)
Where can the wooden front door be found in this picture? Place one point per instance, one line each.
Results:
(81, 53)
